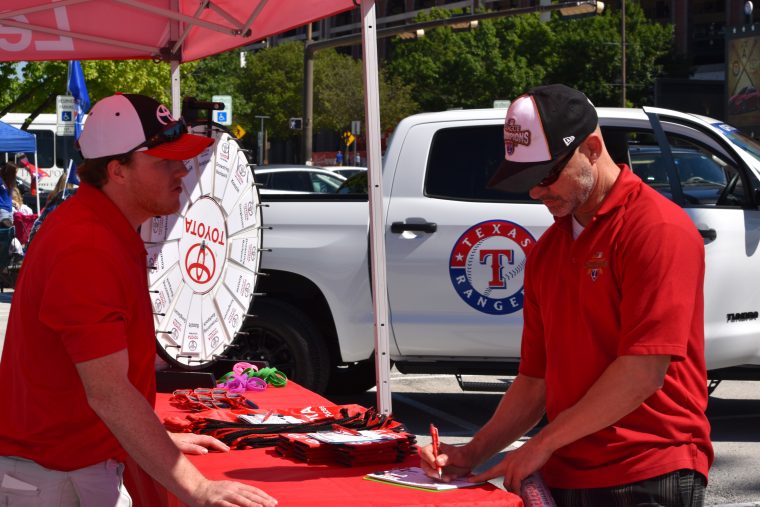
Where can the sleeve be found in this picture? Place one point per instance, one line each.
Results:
(663, 290)
(85, 302)
(533, 345)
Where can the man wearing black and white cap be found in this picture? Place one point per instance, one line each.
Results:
(613, 340)
(77, 380)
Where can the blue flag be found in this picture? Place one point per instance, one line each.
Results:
(78, 89)
(71, 176)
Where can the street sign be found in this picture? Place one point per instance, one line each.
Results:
(348, 138)
(238, 131)
(223, 117)
(295, 123)
(65, 113)
(501, 104)
(356, 128)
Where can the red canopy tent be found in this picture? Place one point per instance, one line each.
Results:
(184, 30)
(180, 30)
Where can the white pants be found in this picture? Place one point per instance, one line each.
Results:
(25, 483)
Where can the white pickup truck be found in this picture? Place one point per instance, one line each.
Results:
(455, 250)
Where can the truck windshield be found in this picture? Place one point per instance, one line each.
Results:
(744, 142)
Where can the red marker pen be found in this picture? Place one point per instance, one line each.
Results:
(436, 444)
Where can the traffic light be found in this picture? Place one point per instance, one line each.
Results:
(296, 123)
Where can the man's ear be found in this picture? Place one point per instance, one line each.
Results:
(115, 170)
(593, 146)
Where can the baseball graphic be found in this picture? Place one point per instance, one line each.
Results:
(487, 266)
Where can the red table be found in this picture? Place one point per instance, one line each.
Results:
(299, 484)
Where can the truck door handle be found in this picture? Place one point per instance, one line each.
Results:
(708, 234)
(399, 227)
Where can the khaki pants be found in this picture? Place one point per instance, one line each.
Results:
(25, 483)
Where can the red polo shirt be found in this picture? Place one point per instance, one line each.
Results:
(82, 294)
(630, 284)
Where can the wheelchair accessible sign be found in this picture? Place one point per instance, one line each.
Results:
(223, 117)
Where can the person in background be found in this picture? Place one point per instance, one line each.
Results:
(18, 202)
(7, 184)
(613, 337)
(77, 378)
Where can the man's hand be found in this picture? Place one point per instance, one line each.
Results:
(517, 465)
(190, 443)
(454, 461)
(226, 493)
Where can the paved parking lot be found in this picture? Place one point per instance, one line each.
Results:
(418, 400)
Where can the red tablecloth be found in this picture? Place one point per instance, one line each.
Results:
(299, 484)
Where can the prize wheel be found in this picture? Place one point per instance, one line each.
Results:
(203, 261)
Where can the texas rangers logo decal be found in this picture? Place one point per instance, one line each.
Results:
(487, 266)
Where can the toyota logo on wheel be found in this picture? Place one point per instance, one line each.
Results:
(200, 263)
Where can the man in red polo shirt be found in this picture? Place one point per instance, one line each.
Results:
(613, 340)
(77, 380)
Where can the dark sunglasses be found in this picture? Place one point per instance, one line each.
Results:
(556, 171)
(170, 133)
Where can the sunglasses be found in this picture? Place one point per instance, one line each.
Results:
(170, 133)
(556, 171)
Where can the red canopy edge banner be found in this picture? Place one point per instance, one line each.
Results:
(147, 29)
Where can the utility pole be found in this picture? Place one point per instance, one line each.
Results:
(622, 50)
(262, 140)
(308, 97)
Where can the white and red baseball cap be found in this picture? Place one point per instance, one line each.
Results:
(541, 130)
(126, 122)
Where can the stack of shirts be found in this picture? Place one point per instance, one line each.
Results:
(349, 448)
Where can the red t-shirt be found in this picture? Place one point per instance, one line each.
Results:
(81, 294)
(630, 284)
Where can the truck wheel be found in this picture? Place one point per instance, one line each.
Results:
(353, 378)
(286, 338)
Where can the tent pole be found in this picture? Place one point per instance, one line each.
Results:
(37, 178)
(176, 98)
(376, 208)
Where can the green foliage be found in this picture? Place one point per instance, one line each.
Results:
(589, 55)
(467, 69)
(103, 77)
(500, 59)
(505, 56)
(273, 81)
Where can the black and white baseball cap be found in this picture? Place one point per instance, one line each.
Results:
(542, 128)
(128, 122)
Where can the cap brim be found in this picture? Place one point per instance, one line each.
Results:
(187, 146)
(519, 176)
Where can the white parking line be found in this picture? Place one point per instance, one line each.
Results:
(404, 376)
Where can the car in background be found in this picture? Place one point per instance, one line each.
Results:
(283, 178)
(346, 170)
(703, 176)
(745, 100)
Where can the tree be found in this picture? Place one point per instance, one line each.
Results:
(103, 77)
(503, 57)
(273, 80)
(589, 55)
(471, 69)
(339, 94)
